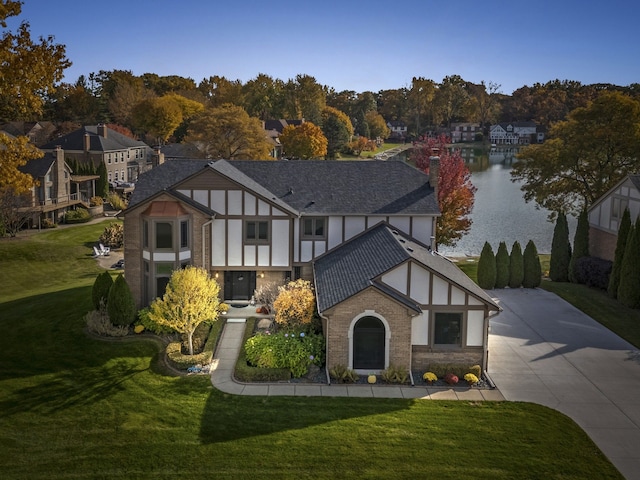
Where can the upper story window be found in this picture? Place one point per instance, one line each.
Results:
(145, 234)
(618, 207)
(164, 235)
(108, 158)
(447, 328)
(256, 231)
(313, 227)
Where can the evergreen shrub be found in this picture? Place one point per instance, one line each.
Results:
(516, 266)
(487, 268)
(502, 266)
(532, 268)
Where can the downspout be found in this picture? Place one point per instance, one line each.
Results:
(326, 337)
(213, 217)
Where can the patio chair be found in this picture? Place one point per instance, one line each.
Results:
(96, 252)
(104, 250)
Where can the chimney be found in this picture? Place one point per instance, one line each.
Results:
(102, 130)
(59, 186)
(434, 173)
(158, 157)
(87, 142)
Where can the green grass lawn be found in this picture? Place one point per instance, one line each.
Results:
(383, 148)
(75, 407)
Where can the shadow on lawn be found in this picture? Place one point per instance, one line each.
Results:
(232, 417)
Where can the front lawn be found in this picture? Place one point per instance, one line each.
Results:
(75, 407)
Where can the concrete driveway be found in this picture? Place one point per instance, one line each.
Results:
(545, 351)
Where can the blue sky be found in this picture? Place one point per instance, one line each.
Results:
(349, 45)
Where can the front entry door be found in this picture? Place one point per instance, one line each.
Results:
(239, 285)
(368, 344)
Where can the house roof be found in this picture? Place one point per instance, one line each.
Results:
(356, 265)
(634, 178)
(98, 143)
(39, 167)
(312, 187)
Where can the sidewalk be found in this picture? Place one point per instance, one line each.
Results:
(226, 354)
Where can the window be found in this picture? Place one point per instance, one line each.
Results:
(145, 234)
(619, 206)
(447, 328)
(184, 234)
(109, 158)
(109, 177)
(313, 227)
(257, 231)
(116, 176)
(122, 175)
(164, 235)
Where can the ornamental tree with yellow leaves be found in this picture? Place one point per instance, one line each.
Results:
(304, 141)
(295, 304)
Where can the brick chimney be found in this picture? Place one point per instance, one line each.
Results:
(434, 172)
(60, 183)
(102, 130)
(87, 142)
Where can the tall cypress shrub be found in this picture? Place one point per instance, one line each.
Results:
(120, 306)
(629, 289)
(532, 267)
(560, 251)
(580, 246)
(102, 185)
(100, 290)
(621, 243)
(487, 268)
(516, 266)
(502, 266)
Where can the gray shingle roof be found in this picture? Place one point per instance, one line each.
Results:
(635, 179)
(38, 167)
(355, 265)
(98, 143)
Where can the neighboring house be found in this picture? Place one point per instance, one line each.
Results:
(516, 133)
(464, 132)
(124, 157)
(606, 212)
(57, 189)
(398, 129)
(38, 133)
(274, 129)
(251, 222)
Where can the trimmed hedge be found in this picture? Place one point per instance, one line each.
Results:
(593, 272)
(80, 215)
(180, 361)
(247, 373)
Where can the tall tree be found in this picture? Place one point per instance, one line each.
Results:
(304, 98)
(304, 141)
(455, 190)
(487, 268)
(219, 91)
(580, 246)
(337, 129)
(421, 103)
(191, 298)
(560, 251)
(483, 103)
(451, 99)
(228, 132)
(584, 157)
(376, 125)
(29, 70)
(629, 288)
(621, 243)
(532, 268)
(15, 153)
(502, 266)
(516, 266)
(261, 96)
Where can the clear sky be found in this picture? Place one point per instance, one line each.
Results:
(348, 44)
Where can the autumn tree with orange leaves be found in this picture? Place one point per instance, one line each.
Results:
(455, 190)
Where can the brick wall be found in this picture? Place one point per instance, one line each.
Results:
(602, 244)
(423, 356)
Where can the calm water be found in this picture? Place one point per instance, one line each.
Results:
(500, 213)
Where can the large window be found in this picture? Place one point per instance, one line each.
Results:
(313, 227)
(184, 234)
(256, 231)
(164, 235)
(447, 328)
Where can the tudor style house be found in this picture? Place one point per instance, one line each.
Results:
(516, 133)
(605, 214)
(363, 231)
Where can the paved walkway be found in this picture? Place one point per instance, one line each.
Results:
(545, 351)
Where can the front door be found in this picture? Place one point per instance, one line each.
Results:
(368, 344)
(239, 285)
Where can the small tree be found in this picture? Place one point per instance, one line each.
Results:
(191, 297)
(516, 266)
(502, 266)
(532, 267)
(102, 185)
(560, 251)
(100, 291)
(295, 304)
(623, 233)
(487, 268)
(580, 246)
(629, 289)
(113, 235)
(120, 304)
(266, 294)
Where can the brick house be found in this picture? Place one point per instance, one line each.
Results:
(605, 214)
(361, 230)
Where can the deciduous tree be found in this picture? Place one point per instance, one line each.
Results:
(295, 304)
(377, 126)
(338, 130)
(158, 117)
(28, 70)
(304, 141)
(14, 153)
(191, 297)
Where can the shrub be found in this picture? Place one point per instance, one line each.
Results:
(476, 370)
(248, 373)
(181, 361)
(95, 201)
(471, 378)
(266, 294)
(441, 369)
(593, 272)
(98, 322)
(148, 324)
(429, 377)
(79, 215)
(532, 267)
(395, 374)
(560, 251)
(113, 235)
(629, 288)
(580, 245)
(451, 379)
(292, 350)
(295, 304)
(116, 201)
(502, 266)
(120, 303)
(138, 328)
(342, 374)
(487, 268)
(100, 290)
(516, 266)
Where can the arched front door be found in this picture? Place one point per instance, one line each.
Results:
(368, 344)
